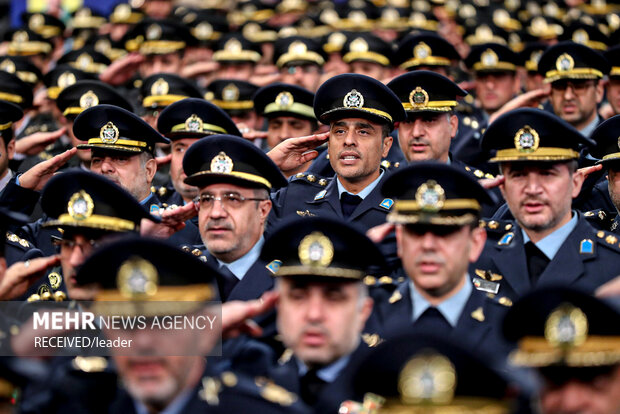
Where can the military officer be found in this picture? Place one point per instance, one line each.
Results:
(572, 340)
(322, 308)
(234, 179)
(575, 72)
(10, 113)
(436, 212)
(368, 55)
(549, 243)
(167, 373)
(613, 86)
(235, 98)
(361, 113)
(300, 61)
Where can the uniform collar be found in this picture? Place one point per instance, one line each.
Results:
(450, 308)
(328, 373)
(552, 243)
(365, 192)
(589, 129)
(240, 267)
(5, 180)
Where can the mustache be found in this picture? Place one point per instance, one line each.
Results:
(220, 224)
(359, 154)
(315, 328)
(430, 257)
(534, 200)
(422, 141)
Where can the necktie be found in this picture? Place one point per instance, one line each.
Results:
(432, 321)
(348, 202)
(228, 282)
(536, 261)
(310, 386)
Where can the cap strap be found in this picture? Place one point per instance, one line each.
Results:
(11, 97)
(127, 142)
(377, 57)
(94, 221)
(233, 104)
(5, 126)
(431, 105)
(577, 73)
(541, 154)
(451, 204)
(479, 66)
(205, 128)
(430, 61)
(161, 100)
(615, 71)
(296, 108)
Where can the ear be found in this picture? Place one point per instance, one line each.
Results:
(366, 311)
(478, 239)
(10, 149)
(454, 125)
(264, 207)
(517, 84)
(150, 169)
(578, 179)
(387, 144)
(599, 91)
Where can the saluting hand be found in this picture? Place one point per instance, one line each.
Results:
(35, 143)
(172, 220)
(121, 70)
(292, 153)
(36, 177)
(236, 315)
(21, 275)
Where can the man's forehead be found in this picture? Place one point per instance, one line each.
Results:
(533, 165)
(355, 122)
(223, 188)
(323, 283)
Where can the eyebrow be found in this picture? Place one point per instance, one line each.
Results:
(362, 125)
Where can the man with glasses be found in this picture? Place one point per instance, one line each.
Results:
(234, 179)
(575, 72)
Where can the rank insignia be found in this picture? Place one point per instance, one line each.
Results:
(586, 246)
(320, 195)
(396, 296)
(372, 340)
(305, 213)
(506, 239)
(316, 250)
(137, 278)
(478, 314)
(80, 205)
(222, 164)
(387, 203)
(55, 280)
(109, 133)
(274, 266)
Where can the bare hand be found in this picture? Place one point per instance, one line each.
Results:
(21, 275)
(35, 143)
(609, 289)
(529, 99)
(36, 177)
(121, 70)
(378, 233)
(172, 221)
(163, 160)
(489, 183)
(236, 315)
(199, 68)
(585, 171)
(292, 153)
(264, 80)
(252, 134)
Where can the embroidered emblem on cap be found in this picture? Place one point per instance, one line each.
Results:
(233, 45)
(109, 133)
(489, 58)
(316, 250)
(564, 62)
(566, 326)
(203, 31)
(353, 99)
(422, 51)
(222, 163)
(581, 36)
(430, 196)
(88, 100)
(160, 87)
(527, 139)
(427, 378)
(153, 32)
(36, 21)
(297, 48)
(418, 97)
(80, 205)
(137, 278)
(230, 92)
(193, 123)
(337, 39)
(284, 100)
(122, 11)
(7, 66)
(66, 79)
(358, 45)
(84, 61)
(20, 37)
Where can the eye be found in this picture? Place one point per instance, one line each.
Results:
(233, 199)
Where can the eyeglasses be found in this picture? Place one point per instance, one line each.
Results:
(576, 86)
(66, 244)
(230, 200)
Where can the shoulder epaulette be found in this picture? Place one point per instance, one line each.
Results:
(605, 238)
(14, 238)
(310, 178)
(478, 173)
(496, 226)
(600, 218)
(387, 164)
(194, 250)
(57, 296)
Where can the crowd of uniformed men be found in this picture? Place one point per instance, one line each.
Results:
(403, 206)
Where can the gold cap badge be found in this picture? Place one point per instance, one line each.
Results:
(418, 97)
(137, 278)
(429, 378)
(422, 51)
(153, 32)
(230, 93)
(222, 164)
(193, 123)
(353, 99)
(564, 62)
(66, 79)
(489, 58)
(160, 87)
(566, 326)
(109, 133)
(89, 99)
(430, 196)
(284, 100)
(80, 205)
(358, 45)
(7, 66)
(527, 139)
(316, 250)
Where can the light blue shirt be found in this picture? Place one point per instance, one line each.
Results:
(450, 308)
(328, 373)
(241, 266)
(362, 194)
(175, 407)
(589, 129)
(552, 243)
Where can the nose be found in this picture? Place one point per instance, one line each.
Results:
(106, 165)
(77, 255)
(418, 128)
(284, 132)
(349, 138)
(217, 210)
(569, 92)
(532, 185)
(315, 310)
(428, 241)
